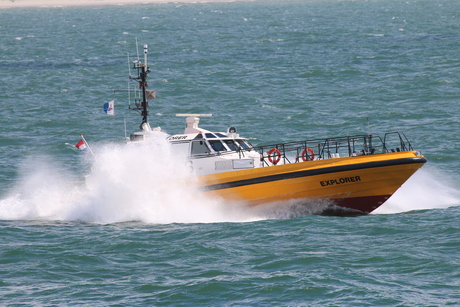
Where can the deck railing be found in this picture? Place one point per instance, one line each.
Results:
(319, 149)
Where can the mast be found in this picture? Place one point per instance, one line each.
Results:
(143, 70)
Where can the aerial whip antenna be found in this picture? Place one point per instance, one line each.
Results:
(129, 79)
(368, 126)
(145, 55)
(137, 48)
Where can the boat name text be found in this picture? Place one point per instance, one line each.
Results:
(173, 138)
(326, 183)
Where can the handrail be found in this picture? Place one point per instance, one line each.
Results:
(328, 148)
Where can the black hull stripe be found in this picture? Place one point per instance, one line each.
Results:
(321, 171)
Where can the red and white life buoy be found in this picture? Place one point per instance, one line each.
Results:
(274, 156)
(309, 157)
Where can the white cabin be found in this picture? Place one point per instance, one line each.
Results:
(208, 152)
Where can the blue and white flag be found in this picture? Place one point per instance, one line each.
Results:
(109, 107)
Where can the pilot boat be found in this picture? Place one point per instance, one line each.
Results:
(348, 175)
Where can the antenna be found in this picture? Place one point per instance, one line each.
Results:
(137, 48)
(145, 55)
(129, 79)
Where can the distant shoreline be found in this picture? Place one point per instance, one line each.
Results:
(66, 3)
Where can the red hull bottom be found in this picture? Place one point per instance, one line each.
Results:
(355, 205)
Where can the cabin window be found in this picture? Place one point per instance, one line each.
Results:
(210, 136)
(199, 148)
(243, 144)
(136, 137)
(217, 145)
(231, 144)
(221, 135)
(181, 149)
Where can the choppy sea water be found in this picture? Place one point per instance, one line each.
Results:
(131, 234)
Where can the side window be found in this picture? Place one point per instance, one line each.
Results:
(180, 149)
(217, 145)
(243, 144)
(199, 148)
(231, 144)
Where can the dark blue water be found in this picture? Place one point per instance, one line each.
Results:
(132, 234)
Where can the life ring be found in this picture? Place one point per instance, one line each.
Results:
(274, 156)
(310, 156)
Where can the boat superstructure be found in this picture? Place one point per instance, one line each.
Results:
(353, 174)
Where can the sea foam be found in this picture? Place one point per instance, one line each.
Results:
(140, 182)
(148, 183)
(428, 188)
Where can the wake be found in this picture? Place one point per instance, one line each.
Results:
(428, 188)
(148, 183)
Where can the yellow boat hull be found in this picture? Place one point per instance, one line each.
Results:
(353, 185)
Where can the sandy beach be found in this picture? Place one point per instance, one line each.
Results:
(64, 3)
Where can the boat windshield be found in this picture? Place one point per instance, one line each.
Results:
(243, 144)
(217, 145)
(231, 144)
(210, 136)
(199, 148)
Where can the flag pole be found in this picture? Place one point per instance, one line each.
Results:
(87, 145)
